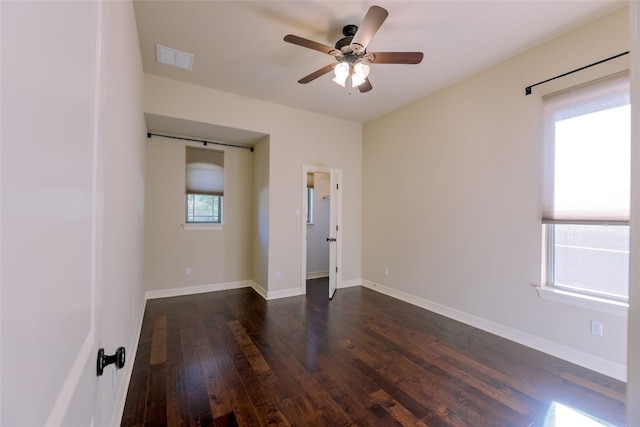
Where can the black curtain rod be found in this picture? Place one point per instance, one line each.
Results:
(527, 90)
(202, 141)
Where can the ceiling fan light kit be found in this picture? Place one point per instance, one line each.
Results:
(352, 69)
(341, 72)
(360, 74)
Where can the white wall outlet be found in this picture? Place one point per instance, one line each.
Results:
(278, 275)
(187, 271)
(596, 328)
(386, 271)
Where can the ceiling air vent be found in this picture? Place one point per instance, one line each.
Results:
(176, 58)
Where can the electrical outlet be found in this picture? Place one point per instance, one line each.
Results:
(278, 275)
(386, 271)
(596, 328)
(187, 271)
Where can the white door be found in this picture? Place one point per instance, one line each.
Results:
(50, 221)
(335, 234)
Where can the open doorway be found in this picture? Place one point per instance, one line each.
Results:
(321, 234)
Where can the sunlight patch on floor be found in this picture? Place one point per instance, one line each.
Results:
(564, 416)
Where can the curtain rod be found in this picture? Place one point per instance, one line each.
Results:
(527, 90)
(202, 141)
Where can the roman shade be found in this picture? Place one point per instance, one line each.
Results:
(587, 153)
(204, 171)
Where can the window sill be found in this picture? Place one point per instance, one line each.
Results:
(585, 301)
(201, 226)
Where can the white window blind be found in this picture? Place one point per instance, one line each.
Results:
(587, 153)
(205, 171)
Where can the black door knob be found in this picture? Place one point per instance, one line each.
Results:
(118, 359)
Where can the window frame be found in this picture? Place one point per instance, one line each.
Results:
(550, 281)
(548, 289)
(220, 209)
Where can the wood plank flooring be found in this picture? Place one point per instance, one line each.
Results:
(363, 359)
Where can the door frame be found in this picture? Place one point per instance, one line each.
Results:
(335, 203)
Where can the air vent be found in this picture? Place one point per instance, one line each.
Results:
(173, 57)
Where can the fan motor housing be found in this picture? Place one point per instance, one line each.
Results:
(348, 31)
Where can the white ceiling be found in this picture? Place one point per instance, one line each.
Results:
(239, 47)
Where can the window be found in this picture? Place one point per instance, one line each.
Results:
(310, 185)
(204, 208)
(587, 188)
(204, 177)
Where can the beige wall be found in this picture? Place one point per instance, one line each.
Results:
(460, 174)
(261, 213)
(296, 138)
(215, 256)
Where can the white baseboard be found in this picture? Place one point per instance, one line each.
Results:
(131, 352)
(199, 289)
(259, 289)
(585, 360)
(284, 293)
(350, 283)
(317, 275)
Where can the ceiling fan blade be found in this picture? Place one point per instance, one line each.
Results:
(318, 73)
(394, 57)
(290, 38)
(366, 86)
(370, 24)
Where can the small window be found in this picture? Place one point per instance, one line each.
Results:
(309, 205)
(310, 185)
(204, 208)
(204, 177)
(587, 188)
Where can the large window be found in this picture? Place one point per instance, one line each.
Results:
(204, 177)
(587, 188)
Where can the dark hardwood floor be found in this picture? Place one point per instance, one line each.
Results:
(230, 358)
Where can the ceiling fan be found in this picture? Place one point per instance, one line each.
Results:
(352, 67)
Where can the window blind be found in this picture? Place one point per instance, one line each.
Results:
(204, 171)
(587, 153)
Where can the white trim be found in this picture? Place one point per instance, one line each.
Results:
(259, 289)
(121, 398)
(585, 360)
(283, 293)
(202, 226)
(584, 301)
(78, 370)
(350, 283)
(317, 275)
(198, 289)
